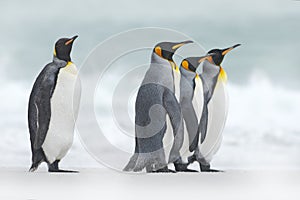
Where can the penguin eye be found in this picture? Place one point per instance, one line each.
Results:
(185, 64)
(158, 51)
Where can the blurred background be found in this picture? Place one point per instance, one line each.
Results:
(262, 131)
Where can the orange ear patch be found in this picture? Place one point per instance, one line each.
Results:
(158, 51)
(185, 64)
(209, 58)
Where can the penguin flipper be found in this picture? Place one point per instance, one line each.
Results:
(174, 111)
(43, 120)
(191, 120)
(203, 123)
(202, 129)
(39, 110)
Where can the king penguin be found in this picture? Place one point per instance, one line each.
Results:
(53, 108)
(191, 100)
(155, 100)
(214, 111)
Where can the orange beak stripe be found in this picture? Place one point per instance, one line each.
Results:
(177, 46)
(69, 42)
(225, 52)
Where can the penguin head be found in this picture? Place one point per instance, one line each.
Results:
(166, 50)
(219, 54)
(192, 63)
(63, 48)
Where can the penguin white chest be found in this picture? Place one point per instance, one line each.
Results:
(176, 81)
(64, 110)
(168, 137)
(198, 98)
(217, 115)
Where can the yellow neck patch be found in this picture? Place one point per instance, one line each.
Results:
(69, 63)
(54, 52)
(70, 68)
(222, 75)
(174, 66)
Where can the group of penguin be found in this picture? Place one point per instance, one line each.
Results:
(195, 103)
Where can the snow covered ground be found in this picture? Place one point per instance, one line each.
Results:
(107, 184)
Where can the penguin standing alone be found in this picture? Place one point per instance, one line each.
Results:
(156, 98)
(53, 108)
(214, 112)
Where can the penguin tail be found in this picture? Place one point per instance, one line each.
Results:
(203, 123)
(35, 165)
(33, 168)
(202, 129)
(194, 144)
(38, 157)
(131, 164)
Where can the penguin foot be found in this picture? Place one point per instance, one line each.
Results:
(216, 171)
(62, 171)
(55, 169)
(192, 159)
(212, 170)
(182, 167)
(206, 168)
(163, 170)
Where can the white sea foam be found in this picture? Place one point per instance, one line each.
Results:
(265, 110)
(262, 130)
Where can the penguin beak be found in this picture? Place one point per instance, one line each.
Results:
(206, 57)
(70, 41)
(227, 50)
(180, 44)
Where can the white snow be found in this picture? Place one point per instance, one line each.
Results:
(107, 184)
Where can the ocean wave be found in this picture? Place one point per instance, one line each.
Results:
(264, 110)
